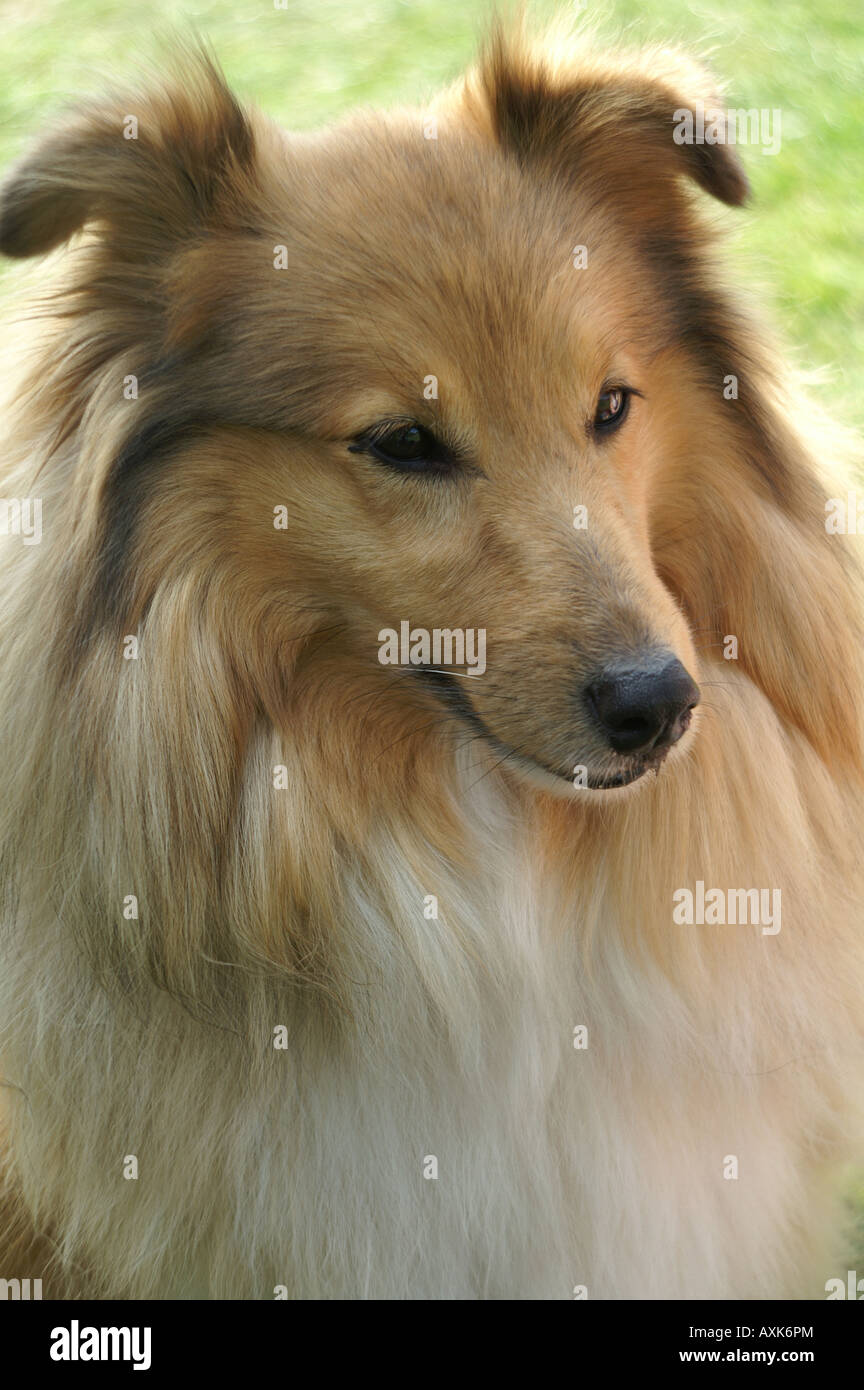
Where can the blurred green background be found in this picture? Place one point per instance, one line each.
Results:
(798, 245)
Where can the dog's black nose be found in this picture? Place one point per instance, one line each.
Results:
(644, 710)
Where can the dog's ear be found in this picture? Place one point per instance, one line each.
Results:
(739, 535)
(146, 170)
(611, 123)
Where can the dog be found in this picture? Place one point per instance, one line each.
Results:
(431, 715)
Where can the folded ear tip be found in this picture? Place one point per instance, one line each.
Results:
(91, 163)
(541, 98)
(722, 175)
(31, 223)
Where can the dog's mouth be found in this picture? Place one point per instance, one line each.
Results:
(446, 687)
(623, 779)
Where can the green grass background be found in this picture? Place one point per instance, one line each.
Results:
(798, 245)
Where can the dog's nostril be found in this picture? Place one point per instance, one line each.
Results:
(643, 710)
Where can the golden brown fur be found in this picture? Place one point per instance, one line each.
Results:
(304, 907)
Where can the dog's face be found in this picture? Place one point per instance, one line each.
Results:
(488, 419)
(461, 367)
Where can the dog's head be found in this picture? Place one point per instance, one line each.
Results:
(462, 370)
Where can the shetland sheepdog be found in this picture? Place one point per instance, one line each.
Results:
(430, 710)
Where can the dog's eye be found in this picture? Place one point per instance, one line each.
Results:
(407, 447)
(612, 406)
